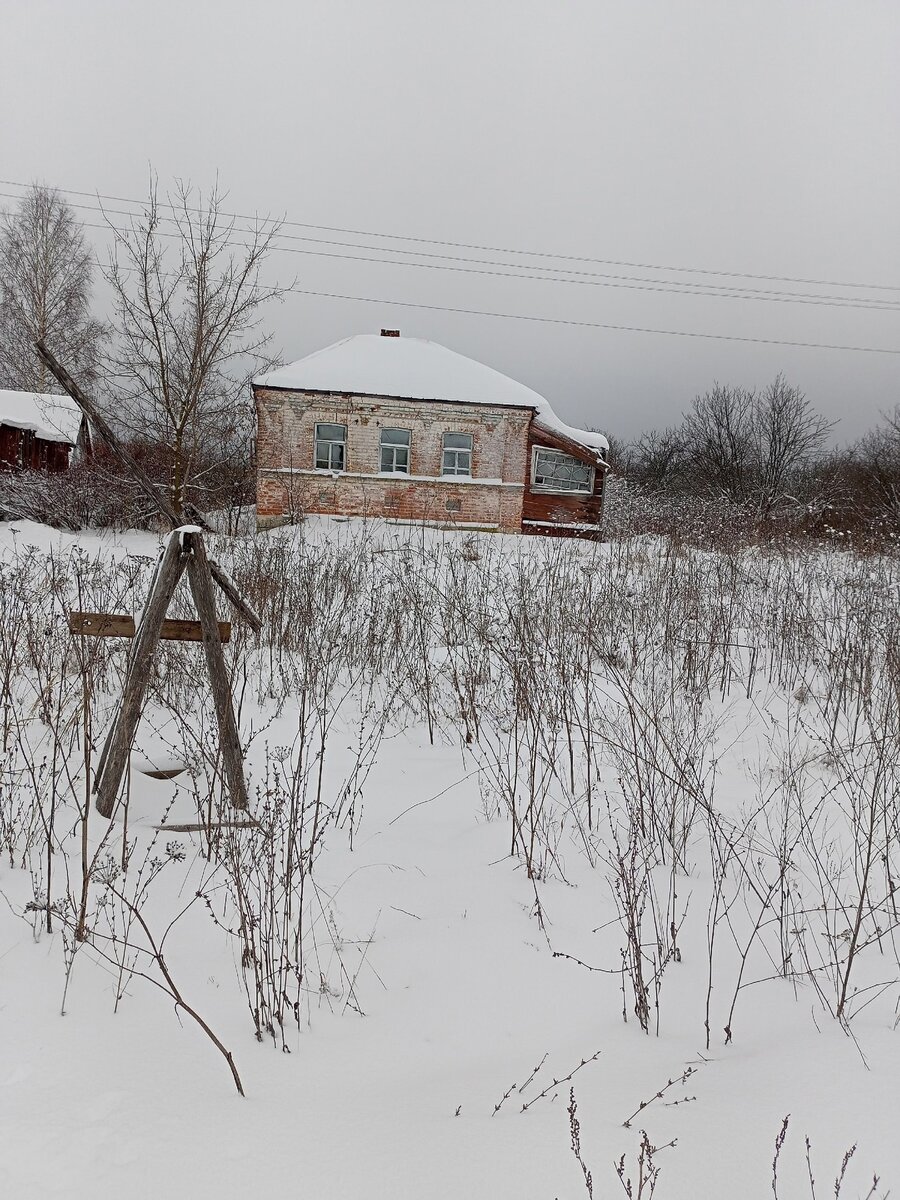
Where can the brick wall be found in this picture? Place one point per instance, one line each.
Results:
(288, 485)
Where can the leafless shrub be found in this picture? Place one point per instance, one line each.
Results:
(838, 1184)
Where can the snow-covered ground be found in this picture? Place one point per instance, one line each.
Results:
(687, 741)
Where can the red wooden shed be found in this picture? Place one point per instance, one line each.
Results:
(37, 432)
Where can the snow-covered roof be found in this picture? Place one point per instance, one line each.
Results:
(53, 418)
(415, 369)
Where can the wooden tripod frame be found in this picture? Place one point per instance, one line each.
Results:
(184, 550)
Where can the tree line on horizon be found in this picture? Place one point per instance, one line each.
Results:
(765, 454)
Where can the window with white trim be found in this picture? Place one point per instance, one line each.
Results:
(553, 471)
(395, 451)
(457, 456)
(331, 447)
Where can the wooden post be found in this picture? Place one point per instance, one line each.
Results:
(117, 748)
(200, 580)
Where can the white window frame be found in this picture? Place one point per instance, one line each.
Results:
(390, 447)
(560, 491)
(330, 442)
(452, 457)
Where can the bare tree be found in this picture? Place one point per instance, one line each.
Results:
(656, 460)
(45, 292)
(185, 281)
(752, 447)
(789, 436)
(872, 469)
(618, 453)
(719, 436)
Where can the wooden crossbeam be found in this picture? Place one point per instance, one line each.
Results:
(91, 624)
(102, 624)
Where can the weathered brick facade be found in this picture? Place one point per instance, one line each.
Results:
(288, 484)
(526, 471)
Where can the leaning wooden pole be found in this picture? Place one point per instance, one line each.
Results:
(90, 410)
(93, 414)
(117, 748)
(200, 579)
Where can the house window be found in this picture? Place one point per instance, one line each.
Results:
(395, 451)
(331, 447)
(457, 458)
(553, 471)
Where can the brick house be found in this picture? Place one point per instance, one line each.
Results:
(406, 429)
(38, 432)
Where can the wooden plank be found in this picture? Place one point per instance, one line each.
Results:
(92, 624)
(200, 579)
(191, 631)
(122, 625)
(234, 597)
(120, 739)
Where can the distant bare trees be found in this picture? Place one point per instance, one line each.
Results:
(46, 274)
(872, 473)
(749, 446)
(187, 296)
(657, 459)
(755, 451)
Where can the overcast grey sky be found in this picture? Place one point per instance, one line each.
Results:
(757, 137)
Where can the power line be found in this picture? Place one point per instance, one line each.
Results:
(627, 283)
(707, 288)
(719, 337)
(501, 249)
(475, 312)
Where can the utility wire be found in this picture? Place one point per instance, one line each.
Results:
(666, 284)
(497, 249)
(719, 337)
(663, 287)
(475, 312)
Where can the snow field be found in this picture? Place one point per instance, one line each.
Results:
(659, 736)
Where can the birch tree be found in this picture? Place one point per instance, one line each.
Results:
(46, 277)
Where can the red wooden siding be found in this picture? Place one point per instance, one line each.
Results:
(22, 449)
(561, 509)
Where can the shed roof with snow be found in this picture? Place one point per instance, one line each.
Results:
(414, 369)
(53, 418)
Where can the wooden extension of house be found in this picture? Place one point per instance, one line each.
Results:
(37, 432)
(405, 429)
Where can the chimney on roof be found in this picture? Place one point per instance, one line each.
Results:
(390, 333)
